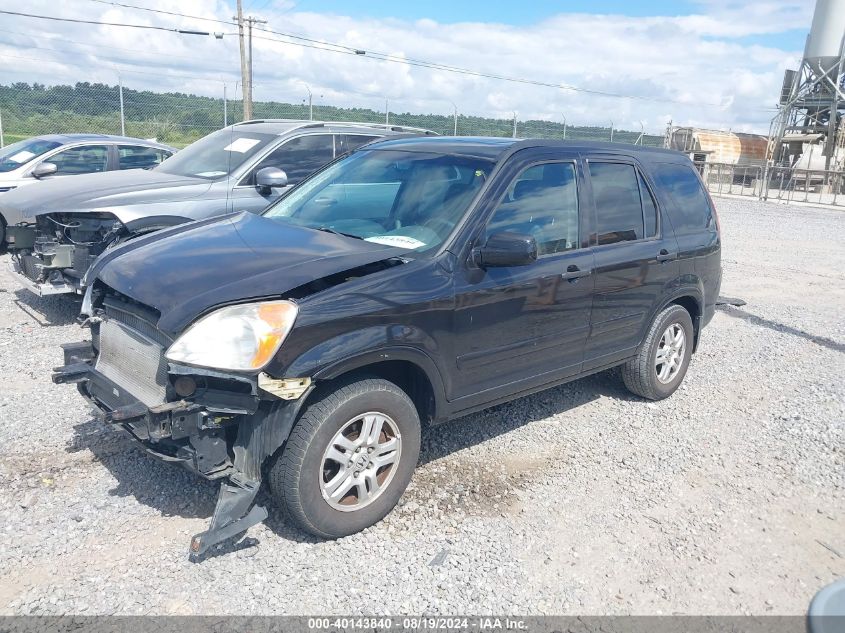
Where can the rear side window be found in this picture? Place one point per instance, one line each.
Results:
(349, 142)
(139, 157)
(300, 156)
(619, 211)
(692, 208)
(649, 209)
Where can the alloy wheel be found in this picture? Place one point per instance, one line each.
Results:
(360, 461)
(670, 353)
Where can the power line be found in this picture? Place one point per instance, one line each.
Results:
(162, 11)
(80, 21)
(411, 61)
(348, 50)
(97, 46)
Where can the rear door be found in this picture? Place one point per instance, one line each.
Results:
(635, 258)
(522, 326)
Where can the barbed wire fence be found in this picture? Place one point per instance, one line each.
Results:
(29, 109)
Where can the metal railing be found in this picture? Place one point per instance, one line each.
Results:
(818, 186)
(786, 184)
(738, 180)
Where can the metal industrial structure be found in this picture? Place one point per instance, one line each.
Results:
(808, 132)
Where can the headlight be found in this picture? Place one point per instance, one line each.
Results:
(241, 337)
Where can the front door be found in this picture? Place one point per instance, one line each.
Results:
(522, 326)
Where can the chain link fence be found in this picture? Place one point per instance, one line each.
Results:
(179, 119)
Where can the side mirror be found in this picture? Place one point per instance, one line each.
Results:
(44, 169)
(269, 178)
(506, 249)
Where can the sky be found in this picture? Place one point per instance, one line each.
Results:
(711, 63)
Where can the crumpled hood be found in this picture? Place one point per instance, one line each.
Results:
(195, 267)
(99, 192)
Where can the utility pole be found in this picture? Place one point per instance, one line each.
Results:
(246, 57)
(247, 109)
(252, 20)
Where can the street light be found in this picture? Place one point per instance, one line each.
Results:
(455, 133)
(310, 101)
(611, 130)
(564, 126)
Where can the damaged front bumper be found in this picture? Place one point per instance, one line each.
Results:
(214, 440)
(55, 284)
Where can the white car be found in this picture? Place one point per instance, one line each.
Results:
(54, 155)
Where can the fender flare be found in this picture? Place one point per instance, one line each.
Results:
(685, 291)
(413, 355)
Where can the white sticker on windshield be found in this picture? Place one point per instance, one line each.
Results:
(402, 241)
(21, 157)
(241, 145)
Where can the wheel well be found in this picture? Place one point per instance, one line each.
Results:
(405, 375)
(690, 304)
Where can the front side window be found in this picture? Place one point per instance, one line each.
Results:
(139, 157)
(217, 155)
(407, 199)
(692, 208)
(20, 153)
(619, 211)
(542, 202)
(87, 159)
(300, 156)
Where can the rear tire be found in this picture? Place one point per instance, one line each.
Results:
(659, 367)
(348, 459)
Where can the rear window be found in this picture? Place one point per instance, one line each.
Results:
(692, 211)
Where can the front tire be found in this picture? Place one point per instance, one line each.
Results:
(348, 459)
(659, 367)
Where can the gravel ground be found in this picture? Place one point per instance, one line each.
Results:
(725, 499)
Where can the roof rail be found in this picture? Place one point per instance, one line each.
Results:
(378, 126)
(315, 124)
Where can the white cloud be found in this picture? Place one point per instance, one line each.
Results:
(688, 62)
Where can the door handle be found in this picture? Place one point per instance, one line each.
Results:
(574, 273)
(665, 256)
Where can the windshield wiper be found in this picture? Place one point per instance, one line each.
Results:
(328, 229)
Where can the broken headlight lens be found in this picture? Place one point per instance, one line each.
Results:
(241, 337)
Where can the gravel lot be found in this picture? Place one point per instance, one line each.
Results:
(727, 498)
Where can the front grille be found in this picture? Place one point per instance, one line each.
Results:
(136, 318)
(133, 361)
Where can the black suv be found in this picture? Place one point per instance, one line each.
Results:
(410, 282)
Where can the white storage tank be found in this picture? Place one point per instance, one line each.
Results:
(825, 39)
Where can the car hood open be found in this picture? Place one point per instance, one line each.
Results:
(185, 271)
(100, 192)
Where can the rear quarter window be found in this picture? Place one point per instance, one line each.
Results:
(690, 211)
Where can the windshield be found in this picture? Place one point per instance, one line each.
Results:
(408, 199)
(17, 154)
(216, 155)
